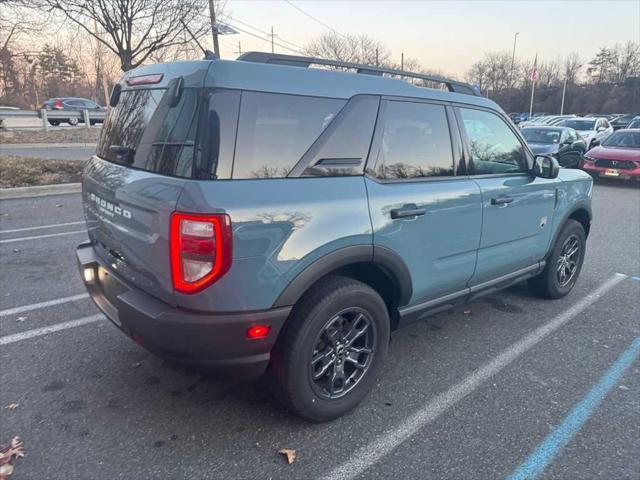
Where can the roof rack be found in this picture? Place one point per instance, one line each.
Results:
(300, 61)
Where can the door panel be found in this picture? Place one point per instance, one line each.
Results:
(514, 235)
(517, 207)
(439, 247)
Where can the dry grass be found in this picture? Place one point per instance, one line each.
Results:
(26, 171)
(62, 135)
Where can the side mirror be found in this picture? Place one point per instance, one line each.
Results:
(600, 129)
(595, 143)
(545, 166)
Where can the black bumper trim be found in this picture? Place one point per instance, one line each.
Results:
(215, 340)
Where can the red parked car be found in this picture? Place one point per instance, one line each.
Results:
(617, 157)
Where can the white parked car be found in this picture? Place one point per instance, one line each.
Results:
(592, 130)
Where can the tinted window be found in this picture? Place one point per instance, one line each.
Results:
(494, 147)
(144, 132)
(275, 130)
(581, 124)
(415, 142)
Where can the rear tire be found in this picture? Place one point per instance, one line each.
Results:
(55, 123)
(563, 264)
(331, 349)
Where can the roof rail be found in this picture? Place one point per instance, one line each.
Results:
(300, 61)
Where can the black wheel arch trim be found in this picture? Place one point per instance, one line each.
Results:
(386, 259)
(576, 208)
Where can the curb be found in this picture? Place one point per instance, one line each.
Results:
(18, 146)
(39, 191)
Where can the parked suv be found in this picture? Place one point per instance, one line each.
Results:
(261, 216)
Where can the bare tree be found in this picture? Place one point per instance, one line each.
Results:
(135, 29)
(549, 73)
(349, 48)
(572, 66)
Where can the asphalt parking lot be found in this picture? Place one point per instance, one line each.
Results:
(507, 385)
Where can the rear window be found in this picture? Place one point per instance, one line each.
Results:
(415, 142)
(142, 131)
(275, 130)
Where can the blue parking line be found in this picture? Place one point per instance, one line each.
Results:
(535, 464)
(635, 278)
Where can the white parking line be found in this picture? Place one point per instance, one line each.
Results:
(22, 239)
(48, 303)
(53, 225)
(371, 453)
(37, 332)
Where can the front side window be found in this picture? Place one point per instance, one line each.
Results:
(275, 130)
(415, 142)
(494, 147)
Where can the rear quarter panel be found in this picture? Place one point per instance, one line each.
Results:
(280, 226)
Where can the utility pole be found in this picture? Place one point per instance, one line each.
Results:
(377, 53)
(239, 52)
(402, 61)
(273, 48)
(214, 27)
(513, 56)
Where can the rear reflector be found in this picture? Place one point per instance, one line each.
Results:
(144, 79)
(258, 331)
(201, 250)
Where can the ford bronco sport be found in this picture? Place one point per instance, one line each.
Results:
(264, 216)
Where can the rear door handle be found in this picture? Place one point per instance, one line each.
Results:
(501, 200)
(408, 210)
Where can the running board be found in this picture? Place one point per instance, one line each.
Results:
(416, 313)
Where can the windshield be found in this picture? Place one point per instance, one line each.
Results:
(623, 140)
(579, 124)
(144, 132)
(541, 135)
(634, 124)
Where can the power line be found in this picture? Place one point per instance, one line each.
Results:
(265, 33)
(320, 22)
(266, 39)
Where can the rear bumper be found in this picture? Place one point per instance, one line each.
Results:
(215, 340)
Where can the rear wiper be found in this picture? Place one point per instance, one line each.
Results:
(123, 154)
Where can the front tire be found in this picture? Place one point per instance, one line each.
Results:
(73, 121)
(563, 264)
(331, 350)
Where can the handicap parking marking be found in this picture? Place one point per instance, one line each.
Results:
(551, 446)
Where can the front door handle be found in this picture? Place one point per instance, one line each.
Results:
(501, 200)
(408, 210)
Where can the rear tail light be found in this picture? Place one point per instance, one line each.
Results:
(144, 79)
(201, 250)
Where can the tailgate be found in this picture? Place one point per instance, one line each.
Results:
(128, 213)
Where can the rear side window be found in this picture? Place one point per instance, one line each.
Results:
(415, 142)
(144, 132)
(275, 130)
(494, 147)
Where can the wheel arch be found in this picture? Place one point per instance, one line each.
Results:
(378, 267)
(580, 213)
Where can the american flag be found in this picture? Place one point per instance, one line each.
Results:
(534, 70)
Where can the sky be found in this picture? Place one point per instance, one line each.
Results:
(446, 36)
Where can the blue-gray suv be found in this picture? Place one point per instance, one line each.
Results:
(266, 216)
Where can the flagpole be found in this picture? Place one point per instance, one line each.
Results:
(564, 90)
(534, 78)
(533, 89)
